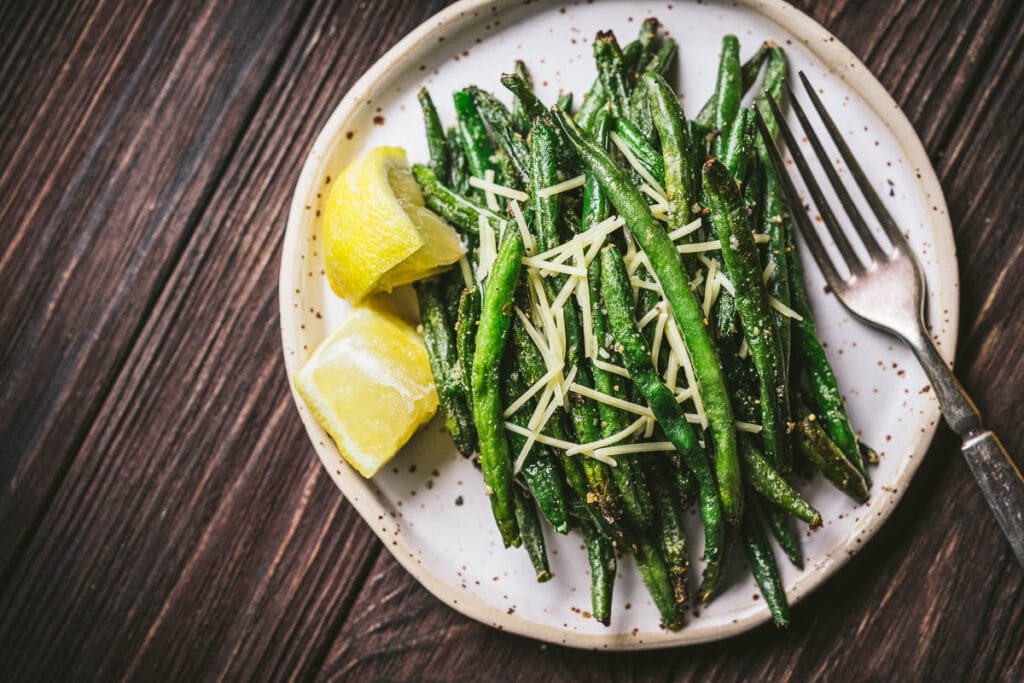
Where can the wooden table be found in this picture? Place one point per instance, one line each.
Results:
(162, 513)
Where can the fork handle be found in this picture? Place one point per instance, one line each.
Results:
(997, 475)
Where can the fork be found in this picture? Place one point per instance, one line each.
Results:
(888, 292)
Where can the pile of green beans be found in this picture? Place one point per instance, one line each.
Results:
(745, 361)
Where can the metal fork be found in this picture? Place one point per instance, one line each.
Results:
(888, 292)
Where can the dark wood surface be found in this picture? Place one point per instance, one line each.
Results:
(162, 514)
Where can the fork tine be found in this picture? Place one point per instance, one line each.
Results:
(881, 213)
(837, 184)
(834, 229)
(796, 210)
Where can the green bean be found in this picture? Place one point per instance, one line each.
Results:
(596, 99)
(535, 109)
(601, 557)
(460, 211)
(773, 211)
(499, 121)
(728, 90)
(683, 477)
(774, 76)
(817, 447)
(583, 412)
(540, 470)
(742, 378)
(767, 481)
(593, 103)
(728, 214)
(655, 575)
(639, 110)
(523, 92)
(530, 362)
(491, 337)
(458, 166)
(637, 144)
(687, 489)
(687, 311)
(564, 102)
(444, 365)
(629, 478)
(640, 115)
(631, 56)
(436, 142)
(544, 173)
(533, 536)
(610, 70)
(681, 178)
(661, 62)
(762, 562)
(595, 201)
(822, 381)
(748, 72)
(473, 135)
(785, 533)
(671, 536)
(465, 336)
(636, 355)
(647, 40)
(519, 118)
(739, 145)
(738, 162)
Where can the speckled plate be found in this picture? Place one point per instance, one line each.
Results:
(428, 507)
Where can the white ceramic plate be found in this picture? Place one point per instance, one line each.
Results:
(429, 508)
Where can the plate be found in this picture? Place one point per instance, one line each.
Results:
(428, 507)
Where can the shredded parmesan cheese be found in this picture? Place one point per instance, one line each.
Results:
(539, 438)
(657, 195)
(675, 340)
(618, 436)
(644, 284)
(488, 185)
(529, 244)
(564, 186)
(467, 272)
(613, 401)
(784, 309)
(597, 233)
(636, 164)
(488, 249)
(726, 283)
(713, 245)
(548, 267)
(610, 367)
(644, 447)
(671, 372)
(688, 229)
(711, 289)
(659, 333)
(648, 317)
(532, 391)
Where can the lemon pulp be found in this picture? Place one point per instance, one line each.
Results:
(378, 233)
(369, 385)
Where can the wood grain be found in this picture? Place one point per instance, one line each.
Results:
(97, 211)
(162, 515)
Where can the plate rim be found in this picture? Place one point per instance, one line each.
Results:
(361, 493)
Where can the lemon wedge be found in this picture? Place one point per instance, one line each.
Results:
(369, 385)
(378, 234)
